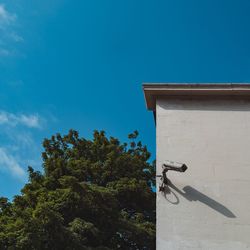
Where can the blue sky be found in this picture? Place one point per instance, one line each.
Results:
(80, 64)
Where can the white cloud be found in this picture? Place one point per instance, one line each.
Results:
(20, 144)
(6, 18)
(15, 37)
(4, 52)
(8, 35)
(9, 163)
(31, 121)
(11, 119)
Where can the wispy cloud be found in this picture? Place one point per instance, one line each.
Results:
(15, 37)
(28, 120)
(18, 143)
(4, 52)
(10, 164)
(8, 35)
(6, 18)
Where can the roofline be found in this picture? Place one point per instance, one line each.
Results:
(183, 90)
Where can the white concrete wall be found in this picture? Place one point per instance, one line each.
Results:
(209, 205)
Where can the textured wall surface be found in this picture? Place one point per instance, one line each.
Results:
(208, 206)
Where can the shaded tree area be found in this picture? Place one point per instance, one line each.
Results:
(93, 194)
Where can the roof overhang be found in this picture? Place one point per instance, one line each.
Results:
(192, 90)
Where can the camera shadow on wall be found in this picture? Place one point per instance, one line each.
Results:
(192, 194)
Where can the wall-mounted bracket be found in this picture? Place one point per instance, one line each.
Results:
(173, 166)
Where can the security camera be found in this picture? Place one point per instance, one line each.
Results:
(170, 165)
(175, 166)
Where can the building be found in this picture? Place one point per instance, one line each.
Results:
(206, 127)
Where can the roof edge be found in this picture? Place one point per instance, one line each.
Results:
(180, 90)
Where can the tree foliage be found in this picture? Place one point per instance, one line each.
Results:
(92, 194)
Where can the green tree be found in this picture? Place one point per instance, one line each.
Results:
(92, 194)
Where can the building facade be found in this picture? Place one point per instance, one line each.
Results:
(206, 127)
